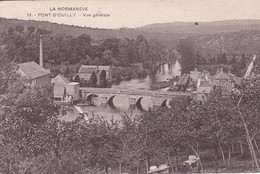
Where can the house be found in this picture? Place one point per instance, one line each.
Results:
(59, 92)
(36, 74)
(59, 89)
(72, 91)
(59, 79)
(223, 80)
(194, 75)
(65, 90)
(203, 92)
(85, 72)
(203, 76)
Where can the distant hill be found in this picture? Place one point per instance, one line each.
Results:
(70, 30)
(94, 33)
(247, 41)
(234, 36)
(203, 27)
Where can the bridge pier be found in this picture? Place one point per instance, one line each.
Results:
(157, 102)
(132, 102)
(103, 101)
(83, 95)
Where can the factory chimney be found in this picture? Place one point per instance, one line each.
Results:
(41, 53)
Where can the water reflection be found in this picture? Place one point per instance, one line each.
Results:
(165, 73)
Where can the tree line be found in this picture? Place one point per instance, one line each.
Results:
(63, 49)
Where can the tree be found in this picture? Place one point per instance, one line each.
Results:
(219, 59)
(108, 58)
(86, 61)
(201, 60)
(93, 79)
(215, 122)
(246, 102)
(188, 55)
(19, 29)
(30, 29)
(97, 61)
(223, 59)
(77, 79)
(81, 46)
(10, 31)
(67, 72)
(23, 118)
(123, 53)
(112, 45)
(142, 48)
(233, 60)
(103, 79)
(128, 140)
(101, 141)
(35, 140)
(243, 61)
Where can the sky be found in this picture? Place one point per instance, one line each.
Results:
(131, 13)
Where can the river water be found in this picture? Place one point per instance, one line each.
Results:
(122, 103)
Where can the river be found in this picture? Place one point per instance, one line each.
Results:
(121, 103)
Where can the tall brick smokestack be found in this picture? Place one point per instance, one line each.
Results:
(41, 53)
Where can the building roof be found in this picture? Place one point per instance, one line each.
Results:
(106, 68)
(195, 74)
(205, 75)
(59, 90)
(59, 79)
(221, 76)
(204, 90)
(205, 83)
(88, 69)
(72, 83)
(184, 79)
(33, 70)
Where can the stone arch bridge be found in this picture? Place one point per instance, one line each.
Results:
(106, 95)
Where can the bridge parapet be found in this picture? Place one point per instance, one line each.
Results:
(132, 102)
(106, 95)
(132, 92)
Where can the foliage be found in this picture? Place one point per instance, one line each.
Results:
(60, 48)
(189, 55)
(103, 79)
(93, 79)
(243, 62)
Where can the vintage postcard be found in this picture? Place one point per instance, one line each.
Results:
(129, 87)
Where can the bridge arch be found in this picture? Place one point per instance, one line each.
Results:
(164, 103)
(89, 98)
(139, 104)
(110, 102)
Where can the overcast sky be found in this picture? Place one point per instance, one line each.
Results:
(134, 13)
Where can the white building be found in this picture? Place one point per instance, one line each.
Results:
(65, 90)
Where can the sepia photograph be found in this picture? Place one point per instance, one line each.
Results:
(129, 87)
